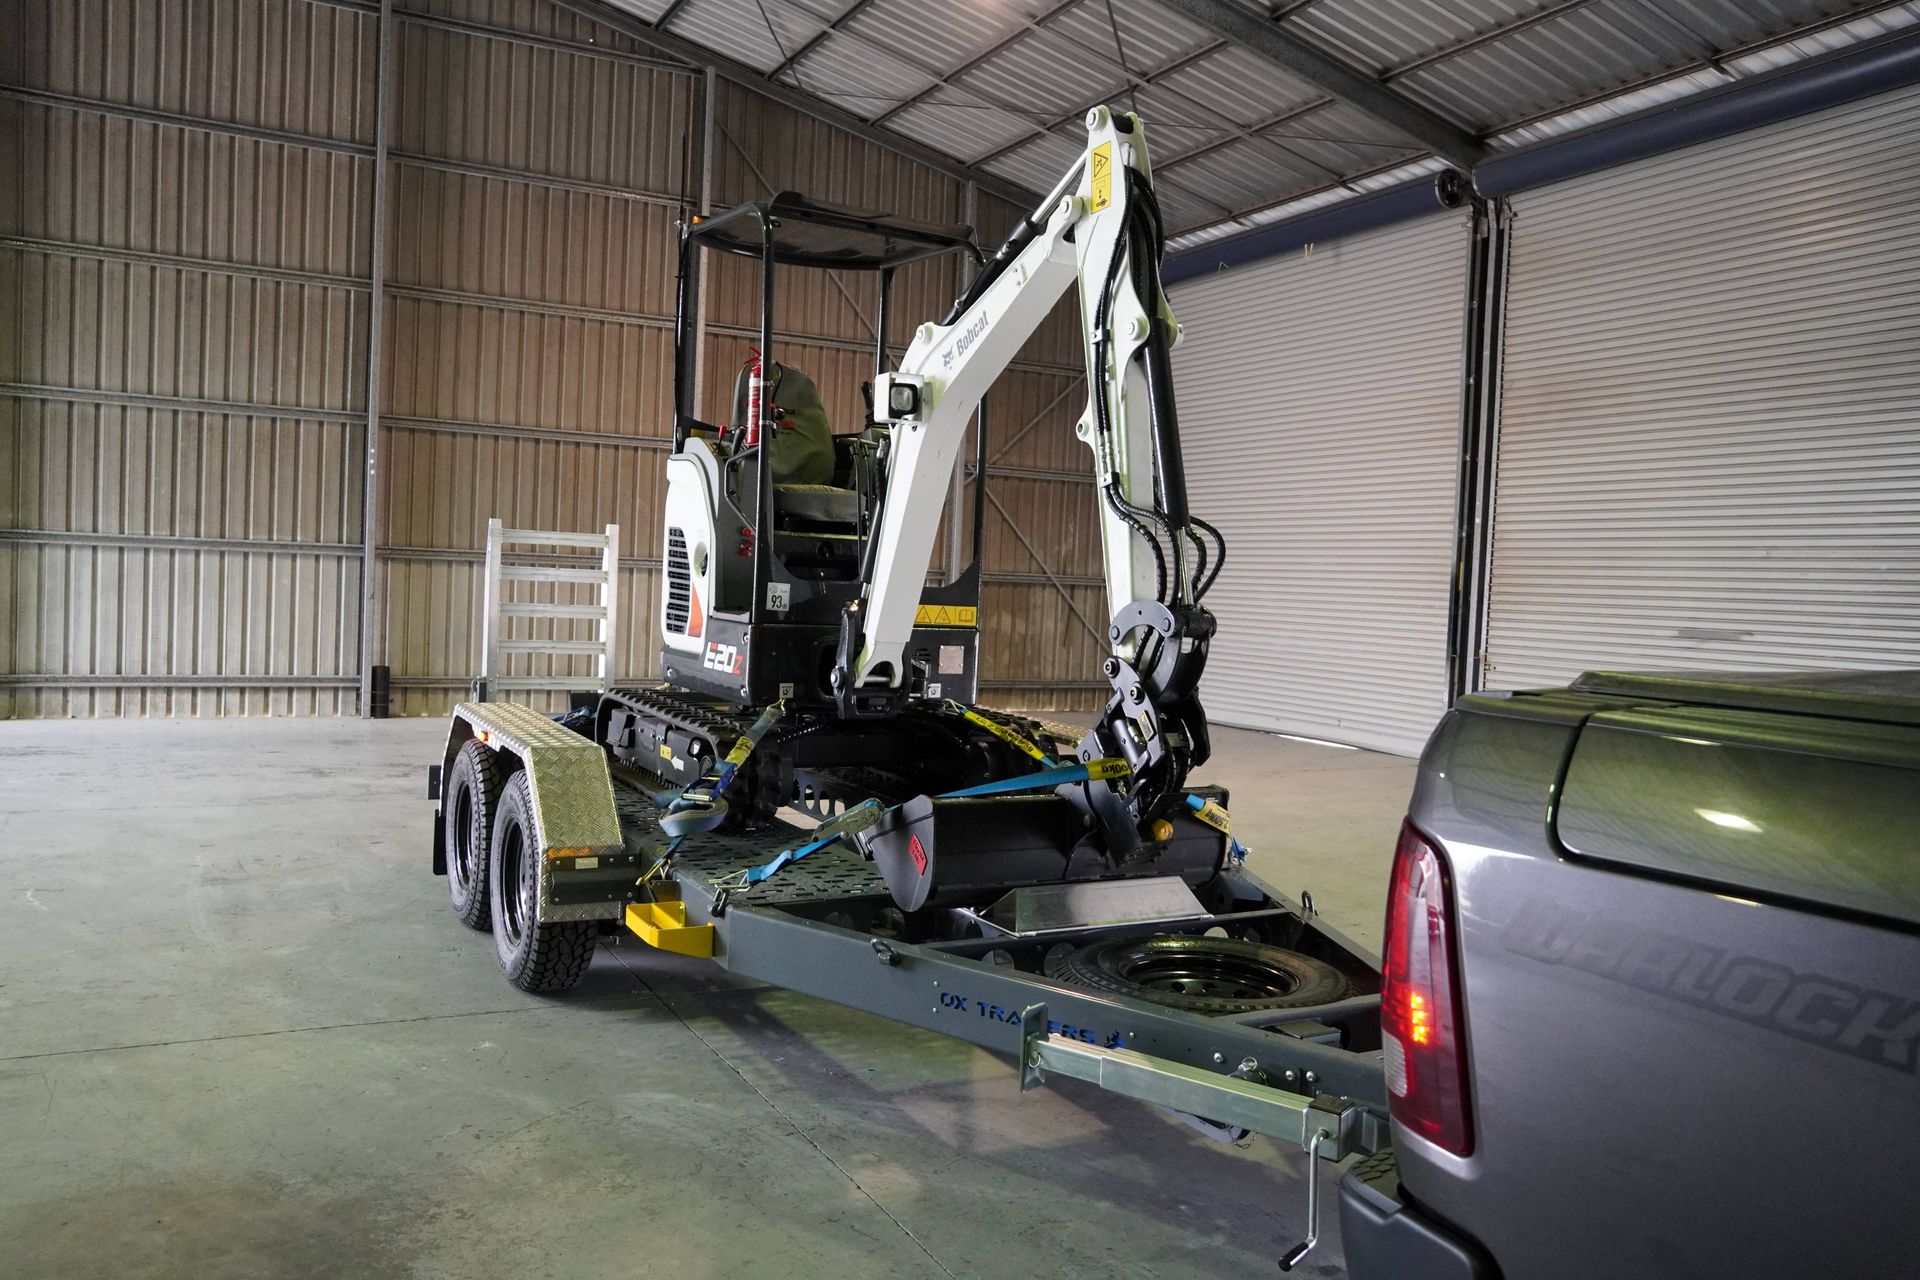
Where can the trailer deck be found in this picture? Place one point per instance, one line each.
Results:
(827, 926)
(822, 927)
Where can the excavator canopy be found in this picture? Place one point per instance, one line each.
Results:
(809, 233)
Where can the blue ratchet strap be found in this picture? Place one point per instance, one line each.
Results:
(1210, 812)
(744, 747)
(1079, 771)
(858, 818)
(690, 813)
(703, 806)
(754, 875)
(868, 812)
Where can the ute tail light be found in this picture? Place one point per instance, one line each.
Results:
(1425, 1055)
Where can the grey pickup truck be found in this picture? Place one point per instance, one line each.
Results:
(1651, 995)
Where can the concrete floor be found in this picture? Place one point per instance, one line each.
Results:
(242, 1036)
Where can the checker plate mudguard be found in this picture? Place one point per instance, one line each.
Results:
(572, 792)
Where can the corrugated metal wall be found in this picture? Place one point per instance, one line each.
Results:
(1320, 399)
(1044, 601)
(528, 339)
(181, 421)
(1709, 450)
(183, 381)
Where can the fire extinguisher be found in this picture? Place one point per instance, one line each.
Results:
(756, 385)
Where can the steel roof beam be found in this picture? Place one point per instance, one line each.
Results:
(1362, 92)
(750, 78)
(1811, 27)
(1150, 78)
(941, 80)
(1481, 39)
(1269, 122)
(847, 15)
(1845, 75)
(996, 101)
(1499, 159)
(1425, 60)
(945, 80)
(1467, 45)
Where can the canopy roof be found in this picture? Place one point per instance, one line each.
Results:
(809, 233)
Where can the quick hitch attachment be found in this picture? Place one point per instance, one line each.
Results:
(1153, 721)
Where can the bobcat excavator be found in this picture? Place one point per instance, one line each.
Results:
(1072, 898)
(809, 664)
(797, 560)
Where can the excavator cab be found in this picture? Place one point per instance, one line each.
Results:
(770, 516)
(821, 483)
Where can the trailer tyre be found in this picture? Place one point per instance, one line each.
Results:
(1199, 974)
(472, 796)
(535, 957)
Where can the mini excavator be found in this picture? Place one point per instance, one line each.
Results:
(808, 662)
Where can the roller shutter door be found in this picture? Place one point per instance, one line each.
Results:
(1319, 403)
(1710, 432)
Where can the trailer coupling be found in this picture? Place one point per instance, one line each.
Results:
(1324, 1126)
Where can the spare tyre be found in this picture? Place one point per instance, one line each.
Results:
(1199, 974)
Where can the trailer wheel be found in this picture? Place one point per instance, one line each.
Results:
(1199, 974)
(535, 957)
(472, 795)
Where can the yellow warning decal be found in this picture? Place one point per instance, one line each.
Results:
(1006, 735)
(1108, 767)
(1214, 816)
(1102, 161)
(666, 752)
(946, 615)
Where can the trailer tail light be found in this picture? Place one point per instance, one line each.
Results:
(1425, 1057)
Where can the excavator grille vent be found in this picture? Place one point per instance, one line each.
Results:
(679, 582)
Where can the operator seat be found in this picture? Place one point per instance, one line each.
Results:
(803, 460)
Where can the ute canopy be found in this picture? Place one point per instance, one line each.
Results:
(808, 233)
(1890, 697)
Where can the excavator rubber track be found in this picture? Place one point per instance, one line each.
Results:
(677, 736)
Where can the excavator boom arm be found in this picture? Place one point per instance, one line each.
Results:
(1097, 230)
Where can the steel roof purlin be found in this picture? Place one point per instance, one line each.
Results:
(1036, 23)
(1256, 105)
(1356, 88)
(624, 20)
